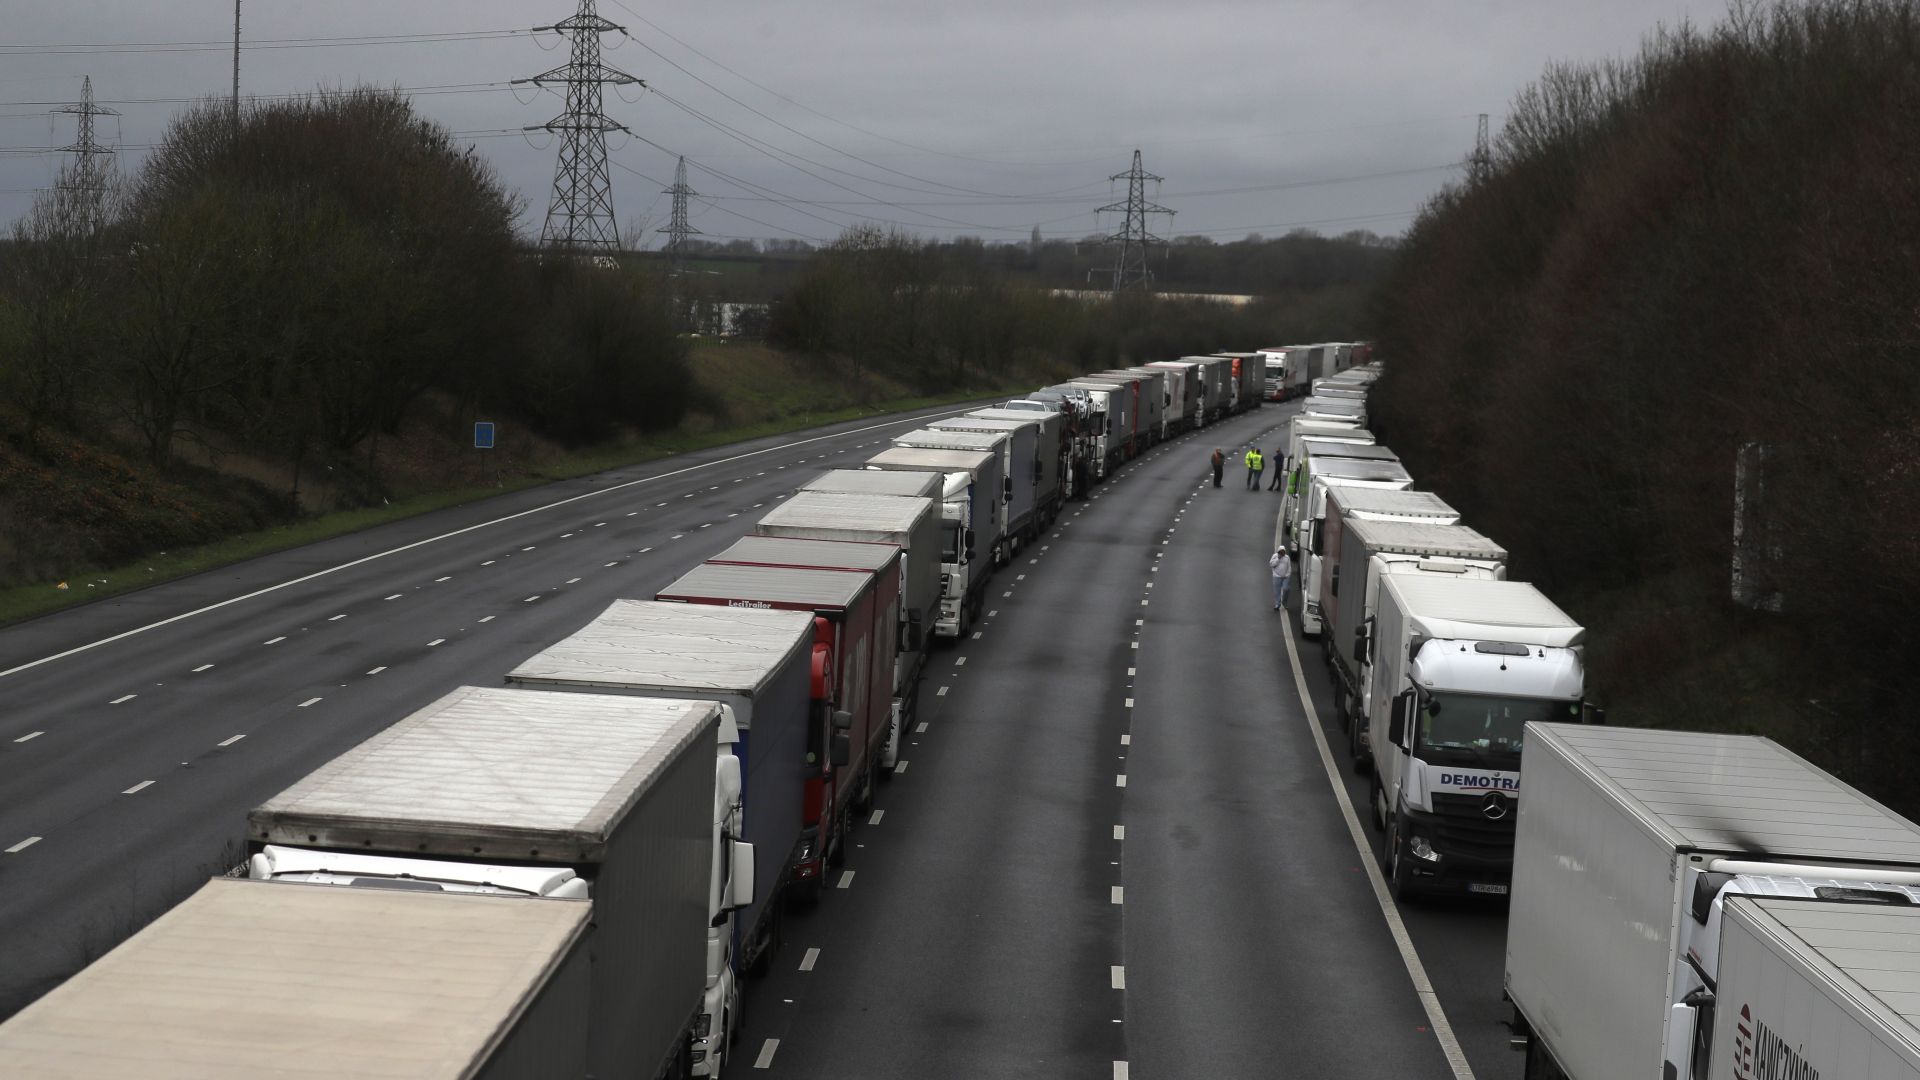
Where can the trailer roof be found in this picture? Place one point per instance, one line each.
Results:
(647, 644)
(1464, 608)
(920, 459)
(1690, 785)
(1310, 427)
(487, 767)
(1426, 538)
(804, 552)
(850, 510)
(793, 588)
(929, 439)
(242, 974)
(1869, 949)
(876, 482)
(971, 422)
(1392, 501)
(1347, 448)
(1020, 416)
(1356, 469)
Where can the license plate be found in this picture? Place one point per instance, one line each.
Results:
(1490, 890)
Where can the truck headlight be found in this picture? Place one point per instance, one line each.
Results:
(1423, 850)
(703, 1027)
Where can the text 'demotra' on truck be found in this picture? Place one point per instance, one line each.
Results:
(505, 794)
(1692, 906)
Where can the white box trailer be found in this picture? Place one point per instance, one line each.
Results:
(1311, 505)
(1164, 381)
(1013, 505)
(1248, 375)
(619, 790)
(1338, 410)
(1144, 402)
(1621, 876)
(1055, 453)
(876, 482)
(757, 665)
(910, 523)
(246, 979)
(1114, 406)
(1184, 395)
(1026, 463)
(1216, 381)
(1816, 989)
(969, 525)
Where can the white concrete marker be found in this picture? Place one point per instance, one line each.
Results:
(377, 670)
(1397, 927)
(306, 703)
(201, 668)
(123, 697)
(1119, 977)
(138, 788)
(807, 961)
(230, 741)
(30, 736)
(846, 879)
(23, 845)
(765, 1060)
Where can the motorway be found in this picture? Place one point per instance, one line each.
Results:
(1112, 849)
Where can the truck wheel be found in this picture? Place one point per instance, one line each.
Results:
(837, 843)
(863, 802)
(1399, 879)
(1340, 706)
(804, 895)
(1362, 763)
(1373, 801)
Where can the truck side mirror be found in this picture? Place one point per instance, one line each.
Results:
(842, 720)
(840, 749)
(1397, 728)
(740, 884)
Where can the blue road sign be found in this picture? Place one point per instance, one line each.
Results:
(483, 434)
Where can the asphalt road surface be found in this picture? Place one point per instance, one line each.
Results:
(1113, 849)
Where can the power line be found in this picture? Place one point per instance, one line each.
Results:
(580, 216)
(108, 48)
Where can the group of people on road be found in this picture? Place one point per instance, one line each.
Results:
(1280, 563)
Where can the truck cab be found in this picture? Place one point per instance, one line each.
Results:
(1459, 667)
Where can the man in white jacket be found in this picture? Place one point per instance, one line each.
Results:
(1282, 568)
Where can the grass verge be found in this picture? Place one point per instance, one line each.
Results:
(24, 602)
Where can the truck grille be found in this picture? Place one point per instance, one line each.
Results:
(1464, 829)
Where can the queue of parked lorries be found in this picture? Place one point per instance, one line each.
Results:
(570, 875)
(1683, 906)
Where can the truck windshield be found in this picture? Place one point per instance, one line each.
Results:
(1481, 728)
(950, 541)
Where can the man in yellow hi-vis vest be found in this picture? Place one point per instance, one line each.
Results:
(1255, 463)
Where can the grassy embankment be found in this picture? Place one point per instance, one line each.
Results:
(767, 393)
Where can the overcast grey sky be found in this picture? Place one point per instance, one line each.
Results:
(994, 116)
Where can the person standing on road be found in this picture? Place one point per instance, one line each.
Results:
(1219, 463)
(1274, 484)
(1282, 568)
(1255, 462)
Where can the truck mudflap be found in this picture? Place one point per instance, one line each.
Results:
(1464, 847)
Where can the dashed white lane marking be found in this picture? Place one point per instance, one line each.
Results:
(707, 525)
(449, 577)
(877, 815)
(765, 1060)
(1135, 644)
(916, 418)
(599, 524)
(275, 641)
(1119, 977)
(230, 741)
(846, 877)
(920, 728)
(992, 613)
(1143, 603)
(1119, 1070)
(1006, 594)
(138, 788)
(1119, 832)
(977, 633)
(378, 670)
(610, 566)
(573, 581)
(529, 547)
(644, 550)
(1119, 779)
(676, 536)
(338, 617)
(1422, 986)
(487, 618)
(436, 641)
(23, 845)
(202, 667)
(530, 599)
(123, 697)
(1021, 577)
(1129, 671)
(1033, 562)
(733, 515)
(1119, 892)
(900, 766)
(564, 536)
(1126, 740)
(633, 513)
(757, 506)
(942, 692)
(395, 596)
(812, 957)
(960, 661)
(1149, 584)
(1129, 703)
(489, 562)
(30, 736)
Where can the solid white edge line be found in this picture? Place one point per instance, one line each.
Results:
(124, 634)
(1417, 972)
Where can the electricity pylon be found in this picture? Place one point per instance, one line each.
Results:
(580, 217)
(1130, 270)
